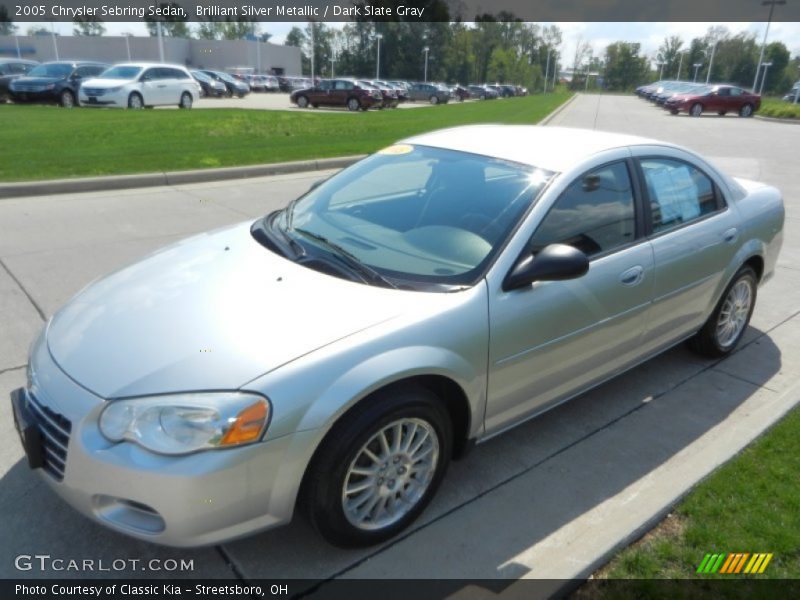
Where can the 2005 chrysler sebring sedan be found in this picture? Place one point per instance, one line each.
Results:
(335, 355)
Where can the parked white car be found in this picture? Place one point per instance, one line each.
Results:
(139, 85)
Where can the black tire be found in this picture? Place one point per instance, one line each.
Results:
(186, 101)
(67, 99)
(228, 93)
(705, 342)
(302, 102)
(135, 101)
(321, 494)
(746, 111)
(353, 104)
(434, 99)
(674, 111)
(696, 109)
(240, 95)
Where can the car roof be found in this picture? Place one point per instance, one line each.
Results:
(145, 64)
(551, 148)
(18, 60)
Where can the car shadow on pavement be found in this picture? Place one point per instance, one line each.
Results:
(505, 497)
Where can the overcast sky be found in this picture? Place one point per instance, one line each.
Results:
(599, 35)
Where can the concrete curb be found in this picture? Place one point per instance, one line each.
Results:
(777, 120)
(555, 113)
(119, 182)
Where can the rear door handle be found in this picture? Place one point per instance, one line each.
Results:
(163, 85)
(632, 276)
(731, 235)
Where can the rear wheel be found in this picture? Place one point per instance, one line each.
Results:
(696, 110)
(302, 102)
(186, 101)
(353, 104)
(746, 111)
(378, 467)
(727, 324)
(135, 101)
(67, 99)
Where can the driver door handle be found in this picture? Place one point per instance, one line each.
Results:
(632, 276)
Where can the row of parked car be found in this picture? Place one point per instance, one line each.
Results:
(697, 98)
(131, 85)
(363, 94)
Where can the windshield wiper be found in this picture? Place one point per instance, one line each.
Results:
(352, 261)
(268, 234)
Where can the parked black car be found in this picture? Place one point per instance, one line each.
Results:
(56, 81)
(232, 85)
(12, 68)
(211, 87)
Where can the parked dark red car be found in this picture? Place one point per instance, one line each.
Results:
(337, 92)
(720, 99)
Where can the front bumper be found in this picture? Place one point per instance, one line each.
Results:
(191, 500)
(119, 99)
(46, 96)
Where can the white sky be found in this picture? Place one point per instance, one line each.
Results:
(599, 35)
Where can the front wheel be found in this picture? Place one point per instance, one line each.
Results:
(67, 99)
(353, 104)
(434, 99)
(696, 110)
(135, 101)
(302, 102)
(746, 111)
(186, 101)
(727, 324)
(379, 467)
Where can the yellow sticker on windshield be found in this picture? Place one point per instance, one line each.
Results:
(397, 149)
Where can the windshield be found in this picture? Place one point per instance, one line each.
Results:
(226, 77)
(418, 214)
(55, 70)
(201, 76)
(121, 73)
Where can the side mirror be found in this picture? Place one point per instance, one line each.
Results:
(556, 262)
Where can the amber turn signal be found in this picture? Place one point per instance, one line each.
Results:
(248, 425)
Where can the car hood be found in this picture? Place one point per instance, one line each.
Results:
(38, 80)
(209, 313)
(103, 83)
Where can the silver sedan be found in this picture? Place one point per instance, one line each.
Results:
(336, 355)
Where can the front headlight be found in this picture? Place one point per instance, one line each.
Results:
(113, 90)
(183, 423)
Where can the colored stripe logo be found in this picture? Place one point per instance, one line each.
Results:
(733, 563)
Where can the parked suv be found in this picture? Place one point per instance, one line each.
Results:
(338, 92)
(137, 85)
(433, 93)
(12, 68)
(56, 81)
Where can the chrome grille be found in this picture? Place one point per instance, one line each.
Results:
(93, 91)
(55, 430)
(29, 87)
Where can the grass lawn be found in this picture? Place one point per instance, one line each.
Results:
(751, 504)
(775, 107)
(45, 142)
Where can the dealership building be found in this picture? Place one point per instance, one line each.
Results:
(262, 57)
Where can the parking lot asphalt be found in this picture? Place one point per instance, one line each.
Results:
(549, 499)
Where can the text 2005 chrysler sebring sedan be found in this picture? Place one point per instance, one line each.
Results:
(335, 355)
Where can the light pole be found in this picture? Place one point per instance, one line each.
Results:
(333, 58)
(16, 39)
(53, 35)
(379, 37)
(546, 69)
(696, 67)
(771, 4)
(796, 93)
(555, 71)
(311, 25)
(661, 70)
(426, 50)
(711, 61)
(128, 45)
(680, 66)
(160, 41)
(766, 66)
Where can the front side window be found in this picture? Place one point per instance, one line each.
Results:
(679, 192)
(418, 213)
(595, 214)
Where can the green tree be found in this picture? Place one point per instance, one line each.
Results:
(91, 26)
(669, 53)
(778, 54)
(624, 66)
(210, 30)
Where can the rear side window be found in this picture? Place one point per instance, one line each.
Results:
(679, 192)
(595, 214)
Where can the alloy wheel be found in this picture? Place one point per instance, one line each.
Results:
(734, 313)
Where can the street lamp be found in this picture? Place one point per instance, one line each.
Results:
(379, 37)
(426, 50)
(680, 65)
(766, 66)
(796, 92)
(661, 70)
(771, 4)
(711, 61)
(546, 69)
(696, 67)
(333, 58)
